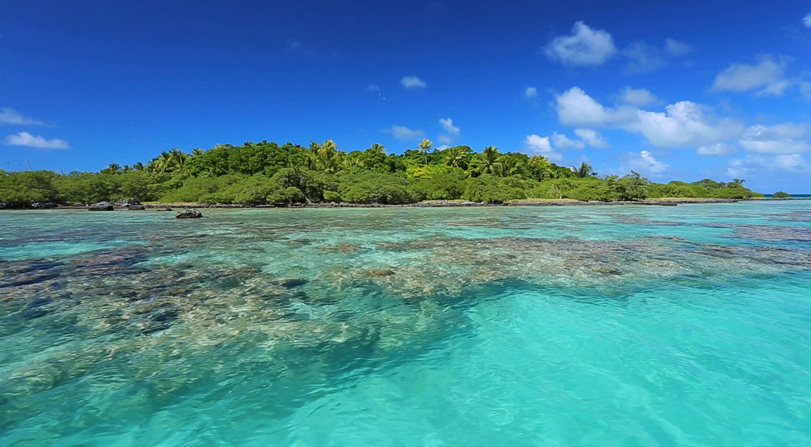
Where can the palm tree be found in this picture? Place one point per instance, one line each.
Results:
(583, 171)
(509, 166)
(541, 167)
(425, 146)
(169, 161)
(377, 149)
(329, 158)
(113, 168)
(488, 160)
(196, 151)
(454, 156)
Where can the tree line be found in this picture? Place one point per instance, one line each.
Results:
(268, 173)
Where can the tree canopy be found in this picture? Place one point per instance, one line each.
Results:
(266, 172)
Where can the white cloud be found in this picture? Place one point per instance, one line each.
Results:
(576, 108)
(792, 163)
(778, 139)
(716, 149)
(451, 132)
(541, 146)
(644, 163)
(638, 96)
(11, 116)
(807, 20)
(592, 138)
(26, 139)
(373, 88)
(584, 46)
(675, 48)
(403, 133)
(642, 58)
(683, 124)
(531, 92)
(447, 126)
(413, 82)
(767, 77)
(563, 142)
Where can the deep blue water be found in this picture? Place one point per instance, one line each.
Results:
(687, 325)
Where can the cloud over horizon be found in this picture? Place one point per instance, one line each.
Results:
(11, 116)
(403, 133)
(37, 142)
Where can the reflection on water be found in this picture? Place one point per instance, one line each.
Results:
(344, 327)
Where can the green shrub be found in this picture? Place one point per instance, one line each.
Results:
(332, 196)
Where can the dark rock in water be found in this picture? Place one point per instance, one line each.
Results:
(163, 209)
(293, 283)
(42, 205)
(3, 205)
(608, 271)
(27, 279)
(342, 247)
(189, 214)
(136, 207)
(33, 312)
(380, 272)
(130, 202)
(101, 206)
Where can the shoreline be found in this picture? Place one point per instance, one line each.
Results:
(427, 204)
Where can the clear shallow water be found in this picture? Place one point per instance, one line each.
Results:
(686, 325)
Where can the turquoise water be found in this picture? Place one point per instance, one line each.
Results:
(686, 325)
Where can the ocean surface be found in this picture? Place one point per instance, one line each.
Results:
(550, 326)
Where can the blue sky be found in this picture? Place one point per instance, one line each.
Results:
(675, 90)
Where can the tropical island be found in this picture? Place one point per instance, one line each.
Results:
(267, 173)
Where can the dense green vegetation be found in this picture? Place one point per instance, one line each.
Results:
(258, 173)
(781, 195)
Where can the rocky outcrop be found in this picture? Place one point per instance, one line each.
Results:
(189, 214)
(136, 207)
(101, 206)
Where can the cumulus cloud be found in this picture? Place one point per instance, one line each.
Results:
(413, 82)
(716, 149)
(807, 20)
(683, 124)
(11, 116)
(791, 163)
(451, 132)
(531, 92)
(584, 46)
(642, 58)
(638, 97)
(675, 48)
(403, 133)
(541, 146)
(563, 142)
(592, 138)
(781, 139)
(576, 108)
(767, 77)
(645, 163)
(28, 140)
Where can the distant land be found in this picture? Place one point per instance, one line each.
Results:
(269, 173)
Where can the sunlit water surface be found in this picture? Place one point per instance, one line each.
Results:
(686, 325)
